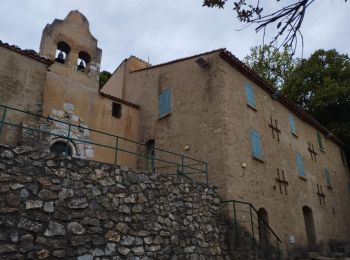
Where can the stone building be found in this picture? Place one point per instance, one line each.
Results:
(259, 146)
(62, 82)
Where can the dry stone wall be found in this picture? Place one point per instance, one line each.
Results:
(53, 207)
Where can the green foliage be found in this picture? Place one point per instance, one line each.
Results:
(104, 77)
(271, 64)
(321, 85)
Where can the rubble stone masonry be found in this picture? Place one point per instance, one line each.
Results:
(53, 207)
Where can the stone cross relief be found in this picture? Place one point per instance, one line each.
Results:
(321, 195)
(274, 128)
(282, 182)
(312, 151)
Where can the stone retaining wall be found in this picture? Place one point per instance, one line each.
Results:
(62, 208)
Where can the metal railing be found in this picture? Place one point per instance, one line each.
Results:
(250, 229)
(154, 159)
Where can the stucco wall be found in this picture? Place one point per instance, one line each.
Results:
(257, 182)
(21, 86)
(209, 113)
(191, 124)
(91, 110)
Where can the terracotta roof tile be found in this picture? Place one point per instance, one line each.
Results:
(29, 53)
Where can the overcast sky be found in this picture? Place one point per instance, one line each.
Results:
(164, 30)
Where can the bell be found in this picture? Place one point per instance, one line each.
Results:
(81, 66)
(60, 57)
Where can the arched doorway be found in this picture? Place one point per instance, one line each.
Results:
(61, 148)
(150, 153)
(263, 222)
(309, 227)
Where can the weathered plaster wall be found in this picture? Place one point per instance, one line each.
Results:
(74, 30)
(209, 113)
(21, 86)
(195, 114)
(57, 208)
(257, 182)
(115, 86)
(93, 111)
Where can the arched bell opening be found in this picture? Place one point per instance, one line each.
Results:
(84, 60)
(62, 52)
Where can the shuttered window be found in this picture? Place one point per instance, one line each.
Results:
(319, 140)
(300, 166)
(249, 92)
(293, 128)
(255, 140)
(327, 177)
(342, 155)
(165, 103)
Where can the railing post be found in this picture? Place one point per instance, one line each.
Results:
(116, 151)
(68, 139)
(252, 224)
(236, 224)
(2, 120)
(278, 249)
(206, 173)
(182, 164)
(153, 160)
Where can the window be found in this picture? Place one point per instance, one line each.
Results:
(165, 103)
(249, 92)
(327, 178)
(293, 128)
(300, 166)
(116, 110)
(319, 140)
(255, 140)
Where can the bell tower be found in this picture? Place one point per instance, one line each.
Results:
(71, 45)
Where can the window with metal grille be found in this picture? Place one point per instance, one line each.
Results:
(116, 110)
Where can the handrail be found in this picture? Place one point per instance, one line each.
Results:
(268, 231)
(203, 168)
(251, 205)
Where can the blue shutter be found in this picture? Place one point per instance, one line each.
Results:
(249, 91)
(256, 144)
(293, 129)
(300, 166)
(319, 140)
(327, 177)
(165, 103)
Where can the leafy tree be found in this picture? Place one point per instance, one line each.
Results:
(271, 64)
(104, 77)
(287, 19)
(321, 85)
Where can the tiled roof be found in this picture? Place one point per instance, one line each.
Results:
(29, 53)
(178, 60)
